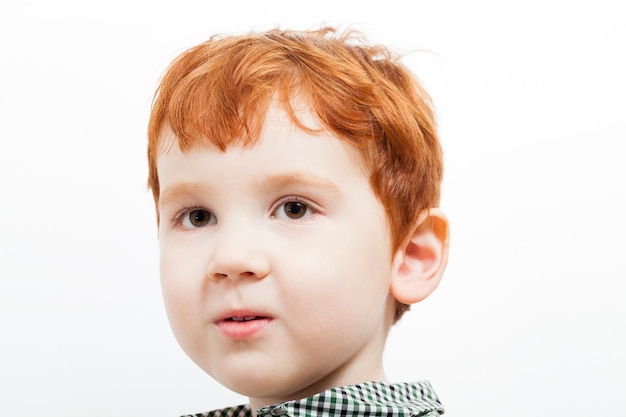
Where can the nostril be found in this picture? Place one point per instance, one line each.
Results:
(218, 276)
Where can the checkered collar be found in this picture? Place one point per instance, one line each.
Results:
(370, 399)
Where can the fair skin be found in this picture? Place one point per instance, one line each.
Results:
(277, 272)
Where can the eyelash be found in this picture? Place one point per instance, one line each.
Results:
(295, 199)
(178, 218)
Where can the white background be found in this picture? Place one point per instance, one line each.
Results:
(530, 318)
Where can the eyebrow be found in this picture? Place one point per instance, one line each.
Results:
(177, 191)
(284, 180)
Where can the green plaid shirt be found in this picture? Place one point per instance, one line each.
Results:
(370, 399)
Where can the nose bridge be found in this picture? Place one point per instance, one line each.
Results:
(238, 251)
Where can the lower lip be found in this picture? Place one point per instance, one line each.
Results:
(242, 329)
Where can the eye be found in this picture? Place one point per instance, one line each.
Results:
(293, 208)
(196, 218)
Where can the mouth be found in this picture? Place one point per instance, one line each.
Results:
(242, 315)
(243, 326)
(245, 318)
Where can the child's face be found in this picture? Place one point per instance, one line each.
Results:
(287, 236)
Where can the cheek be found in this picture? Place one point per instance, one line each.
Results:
(181, 291)
(181, 264)
(333, 275)
(180, 281)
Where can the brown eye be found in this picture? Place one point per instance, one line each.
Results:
(295, 210)
(198, 218)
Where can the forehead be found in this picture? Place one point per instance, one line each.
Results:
(281, 144)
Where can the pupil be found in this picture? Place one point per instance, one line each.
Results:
(295, 210)
(199, 218)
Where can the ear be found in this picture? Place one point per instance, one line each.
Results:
(421, 259)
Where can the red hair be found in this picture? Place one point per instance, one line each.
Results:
(219, 91)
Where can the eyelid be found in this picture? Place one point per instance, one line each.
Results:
(315, 208)
(177, 219)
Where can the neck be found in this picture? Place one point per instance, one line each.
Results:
(339, 378)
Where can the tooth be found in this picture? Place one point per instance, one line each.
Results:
(249, 318)
(238, 319)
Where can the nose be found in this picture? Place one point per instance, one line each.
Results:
(238, 253)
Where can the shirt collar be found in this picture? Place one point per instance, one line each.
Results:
(369, 399)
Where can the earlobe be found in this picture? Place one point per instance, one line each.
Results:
(420, 261)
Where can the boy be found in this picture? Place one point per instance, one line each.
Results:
(296, 176)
